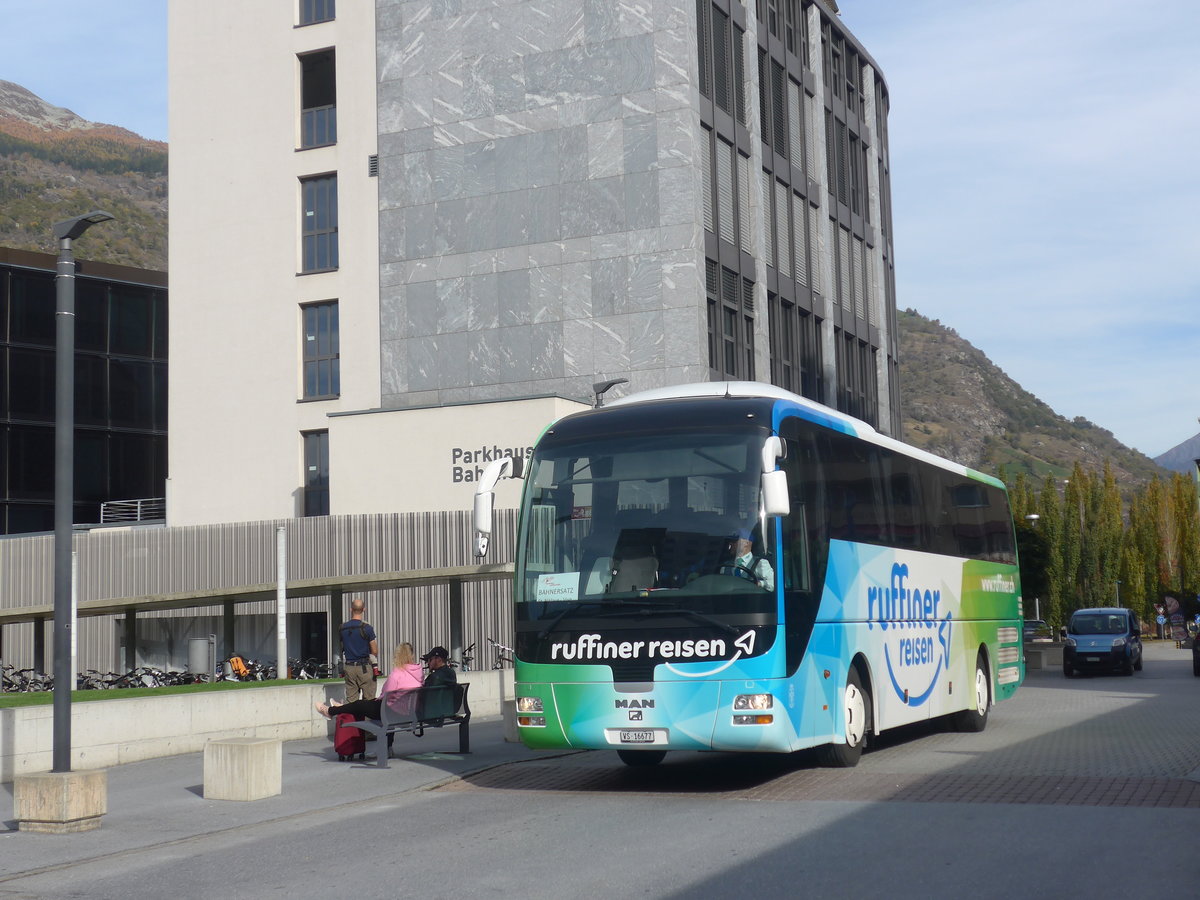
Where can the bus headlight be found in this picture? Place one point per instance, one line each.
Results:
(531, 721)
(753, 720)
(753, 701)
(529, 704)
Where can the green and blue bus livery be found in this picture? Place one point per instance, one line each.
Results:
(728, 566)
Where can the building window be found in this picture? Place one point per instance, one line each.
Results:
(739, 74)
(318, 99)
(322, 368)
(730, 323)
(706, 162)
(779, 132)
(320, 240)
(722, 82)
(314, 11)
(726, 220)
(316, 473)
(704, 42)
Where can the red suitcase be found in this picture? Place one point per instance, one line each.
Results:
(348, 742)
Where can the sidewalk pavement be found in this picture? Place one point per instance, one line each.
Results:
(158, 802)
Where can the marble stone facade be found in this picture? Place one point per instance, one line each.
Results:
(540, 198)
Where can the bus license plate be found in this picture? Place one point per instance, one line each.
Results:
(637, 737)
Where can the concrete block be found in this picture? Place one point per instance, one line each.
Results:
(1034, 660)
(60, 802)
(243, 769)
(508, 710)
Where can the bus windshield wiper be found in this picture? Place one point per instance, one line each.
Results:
(692, 614)
(656, 607)
(562, 614)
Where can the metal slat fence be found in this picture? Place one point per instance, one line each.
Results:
(162, 560)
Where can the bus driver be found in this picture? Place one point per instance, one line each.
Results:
(745, 562)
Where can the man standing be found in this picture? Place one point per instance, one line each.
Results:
(358, 646)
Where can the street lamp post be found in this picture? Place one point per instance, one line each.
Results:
(1032, 519)
(64, 476)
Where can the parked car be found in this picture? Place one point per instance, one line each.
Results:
(1037, 630)
(1102, 639)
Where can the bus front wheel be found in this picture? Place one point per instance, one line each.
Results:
(641, 757)
(856, 704)
(975, 718)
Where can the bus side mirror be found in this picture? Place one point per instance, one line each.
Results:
(774, 481)
(485, 497)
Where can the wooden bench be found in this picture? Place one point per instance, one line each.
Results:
(413, 710)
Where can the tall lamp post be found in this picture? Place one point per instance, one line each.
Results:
(64, 476)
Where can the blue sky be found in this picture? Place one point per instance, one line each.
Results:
(104, 61)
(1045, 194)
(1044, 189)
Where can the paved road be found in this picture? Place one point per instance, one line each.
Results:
(1083, 787)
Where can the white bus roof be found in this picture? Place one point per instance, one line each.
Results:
(855, 426)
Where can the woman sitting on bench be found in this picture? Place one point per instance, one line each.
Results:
(405, 674)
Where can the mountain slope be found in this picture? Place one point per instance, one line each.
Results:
(1181, 458)
(958, 404)
(55, 165)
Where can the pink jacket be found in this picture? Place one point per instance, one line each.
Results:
(406, 676)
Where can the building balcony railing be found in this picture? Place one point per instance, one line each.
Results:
(318, 127)
(116, 512)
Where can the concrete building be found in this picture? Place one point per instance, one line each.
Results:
(120, 396)
(405, 235)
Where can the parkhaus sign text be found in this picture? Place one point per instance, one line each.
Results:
(467, 463)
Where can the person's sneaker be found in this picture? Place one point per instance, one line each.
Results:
(323, 710)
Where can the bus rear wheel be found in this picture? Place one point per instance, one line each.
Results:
(975, 718)
(856, 704)
(641, 758)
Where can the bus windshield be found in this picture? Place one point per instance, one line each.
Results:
(670, 519)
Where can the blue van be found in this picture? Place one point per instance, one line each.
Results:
(1105, 639)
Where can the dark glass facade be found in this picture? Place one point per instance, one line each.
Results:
(120, 388)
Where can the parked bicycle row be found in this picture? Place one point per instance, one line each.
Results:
(242, 668)
(236, 668)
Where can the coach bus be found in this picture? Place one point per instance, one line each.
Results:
(728, 566)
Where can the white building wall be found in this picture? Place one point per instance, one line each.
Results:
(430, 459)
(235, 451)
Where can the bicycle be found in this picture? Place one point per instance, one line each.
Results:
(30, 680)
(467, 658)
(504, 654)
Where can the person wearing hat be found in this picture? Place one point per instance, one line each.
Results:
(439, 702)
(440, 671)
(747, 564)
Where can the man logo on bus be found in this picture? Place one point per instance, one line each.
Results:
(910, 619)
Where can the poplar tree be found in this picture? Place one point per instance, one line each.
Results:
(1073, 502)
(1186, 532)
(1051, 527)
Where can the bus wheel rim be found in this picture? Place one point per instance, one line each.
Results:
(856, 715)
(981, 691)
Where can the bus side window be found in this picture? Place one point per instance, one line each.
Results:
(803, 473)
(901, 481)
